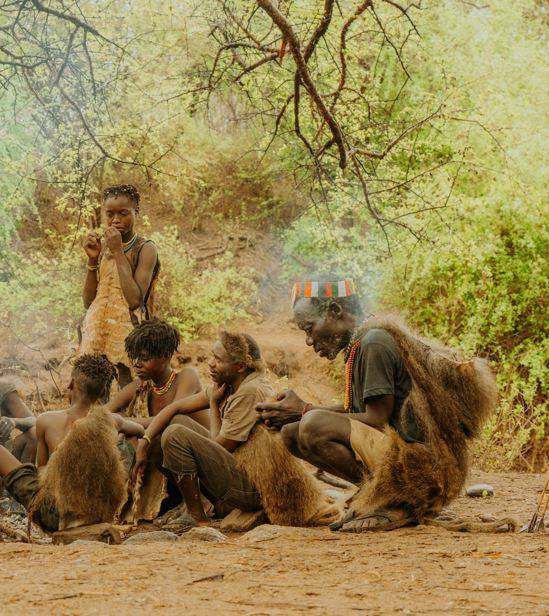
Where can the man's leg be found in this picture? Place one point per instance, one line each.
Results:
(24, 446)
(8, 462)
(193, 458)
(322, 438)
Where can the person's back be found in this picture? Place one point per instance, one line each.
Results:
(54, 426)
(91, 376)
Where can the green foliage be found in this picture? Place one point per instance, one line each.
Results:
(41, 296)
(198, 301)
(482, 289)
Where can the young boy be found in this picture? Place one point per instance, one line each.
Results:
(150, 347)
(119, 288)
(192, 454)
(15, 414)
(91, 376)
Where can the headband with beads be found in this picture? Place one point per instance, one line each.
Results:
(313, 288)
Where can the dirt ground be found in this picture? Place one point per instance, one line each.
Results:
(409, 571)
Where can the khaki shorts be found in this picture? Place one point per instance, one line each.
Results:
(22, 485)
(368, 444)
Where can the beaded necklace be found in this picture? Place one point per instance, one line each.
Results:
(160, 391)
(349, 365)
(127, 246)
(349, 357)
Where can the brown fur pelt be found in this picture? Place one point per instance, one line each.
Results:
(450, 400)
(290, 496)
(85, 476)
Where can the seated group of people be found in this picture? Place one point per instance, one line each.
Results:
(410, 407)
(190, 434)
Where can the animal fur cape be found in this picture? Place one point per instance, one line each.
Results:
(290, 496)
(85, 476)
(450, 400)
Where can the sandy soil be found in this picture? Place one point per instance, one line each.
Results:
(410, 571)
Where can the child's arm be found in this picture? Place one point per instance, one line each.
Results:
(92, 247)
(134, 287)
(127, 426)
(122, 399)
(191, 404)
(42, 452)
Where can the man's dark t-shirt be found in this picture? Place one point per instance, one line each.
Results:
(378, 370)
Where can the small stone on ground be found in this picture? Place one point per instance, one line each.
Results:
(203, 533)
(265, 532)
(155, 535)
(480, 490)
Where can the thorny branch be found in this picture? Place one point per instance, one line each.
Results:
(330, 131)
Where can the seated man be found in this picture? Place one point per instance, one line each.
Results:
(15, 414)
(394, 432)
(150, 347)
(91, 377)
(200, 460)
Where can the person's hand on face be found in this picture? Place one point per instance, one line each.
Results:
(113, 239)
(217, 392)
(288, 408)
(92, 246)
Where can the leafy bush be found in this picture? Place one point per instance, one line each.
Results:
(198, 301)
(483, 288)
(41, 294)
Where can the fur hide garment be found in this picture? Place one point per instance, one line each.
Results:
(85, 476)
(450, 400)
(290, 496)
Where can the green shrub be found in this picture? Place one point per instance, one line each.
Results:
(198, 301)
(484, 288)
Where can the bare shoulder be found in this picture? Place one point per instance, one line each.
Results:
(188, 375)
(149, 252)
(48, 419)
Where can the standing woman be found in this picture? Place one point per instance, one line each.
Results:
(119, 288)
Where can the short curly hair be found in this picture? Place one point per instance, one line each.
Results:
(242, 348)
(154, 338)
(118, 190)
(94, 375)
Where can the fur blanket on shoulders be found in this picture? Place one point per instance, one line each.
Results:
(450, 400)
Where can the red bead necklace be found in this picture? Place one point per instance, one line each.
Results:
(349, 365)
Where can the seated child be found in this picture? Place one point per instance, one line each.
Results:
(150, 347)
(91, 376)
